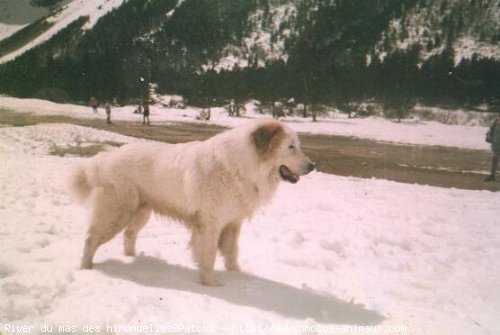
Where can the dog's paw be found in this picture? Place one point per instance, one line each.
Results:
(234, 267)
(210, 280)
(86, 265)
(130, 253)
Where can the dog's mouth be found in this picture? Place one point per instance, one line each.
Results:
(288, 175)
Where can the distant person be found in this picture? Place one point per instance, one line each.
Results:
(274, 109)
(145, 114)
(493, 137)
(107, 107)
(93, 103)
(232, 107)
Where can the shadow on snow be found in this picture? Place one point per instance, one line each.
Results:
(246, 290)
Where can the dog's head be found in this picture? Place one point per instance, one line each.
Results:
(279, 145)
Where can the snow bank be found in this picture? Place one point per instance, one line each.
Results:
(454, 117)
(328, 252)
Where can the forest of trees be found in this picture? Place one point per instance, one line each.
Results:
(44, 3)
(327, 60)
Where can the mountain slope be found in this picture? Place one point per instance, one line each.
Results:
(94, 10)
(472, 27)
(335, 50)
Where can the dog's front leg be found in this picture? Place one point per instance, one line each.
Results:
(228, 245)
(204, 243)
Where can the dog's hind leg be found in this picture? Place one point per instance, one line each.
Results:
(228, 245)
(204, 243)
(108, 218)
(134, 225)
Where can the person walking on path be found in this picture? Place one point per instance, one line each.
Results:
(107, 107)
(93, 103)
(145, 114)
(493, 137)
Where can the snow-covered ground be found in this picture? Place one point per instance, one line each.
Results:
(329, 255)
(8, 29)
(412, 131)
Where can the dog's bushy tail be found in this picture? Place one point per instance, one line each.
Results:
(80, 184)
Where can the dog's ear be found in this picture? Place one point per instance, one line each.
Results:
(265, 135)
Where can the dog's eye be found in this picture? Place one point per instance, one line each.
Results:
(291, 147)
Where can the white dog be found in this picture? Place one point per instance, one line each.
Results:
(211, 186)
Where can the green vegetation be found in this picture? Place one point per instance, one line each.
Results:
(24, 36)
(327, 51)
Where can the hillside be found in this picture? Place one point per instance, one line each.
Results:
(340, 51)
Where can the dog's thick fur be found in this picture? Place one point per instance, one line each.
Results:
(211, 186)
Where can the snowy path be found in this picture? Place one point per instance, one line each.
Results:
(330, 250)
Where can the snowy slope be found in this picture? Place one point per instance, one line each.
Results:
(470, 27)
(265, 40)
(94, 9)
(8, 29)
(330, 251)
